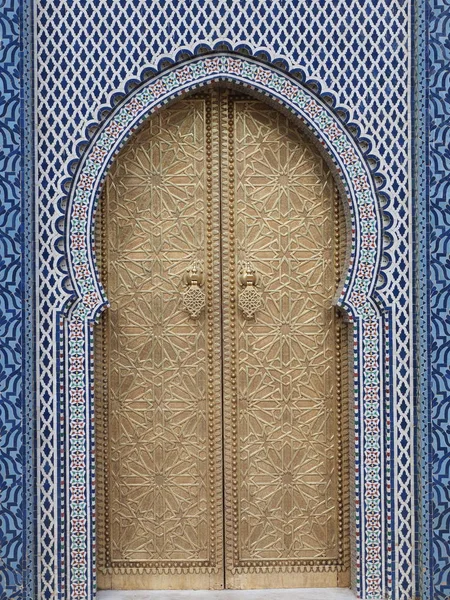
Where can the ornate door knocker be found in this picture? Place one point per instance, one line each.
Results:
(250, 298)
(194, 298)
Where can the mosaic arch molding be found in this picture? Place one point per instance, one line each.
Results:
(373, 530)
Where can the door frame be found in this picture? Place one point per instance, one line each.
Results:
(381, 513)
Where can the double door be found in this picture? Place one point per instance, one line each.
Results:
(220, 431)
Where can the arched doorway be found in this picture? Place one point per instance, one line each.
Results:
(221, 365)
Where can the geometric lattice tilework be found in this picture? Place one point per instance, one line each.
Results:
(439, 290)
(15, 459)
(87, 51)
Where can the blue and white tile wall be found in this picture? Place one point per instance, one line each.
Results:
(432, 170)
(17, 491)
(359, 51)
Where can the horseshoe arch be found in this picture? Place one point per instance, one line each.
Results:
(356, 297)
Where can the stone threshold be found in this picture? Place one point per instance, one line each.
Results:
(298, 594)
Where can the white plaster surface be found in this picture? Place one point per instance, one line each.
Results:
(303, 594)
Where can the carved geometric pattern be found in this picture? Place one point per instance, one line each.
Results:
(154, 508)
(194, 301)
(284, 458)
(162, 484)
(250, 300)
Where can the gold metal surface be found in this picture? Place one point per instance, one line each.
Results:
(194, 298)
(160, 419)
(283, 494)
(220, 194)
(250, 298)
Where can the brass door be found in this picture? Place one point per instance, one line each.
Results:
(219, 422)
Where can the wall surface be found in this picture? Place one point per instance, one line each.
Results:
(16, 305)
(358, 51)
(433, 282)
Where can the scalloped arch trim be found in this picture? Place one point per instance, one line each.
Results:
(366, 230)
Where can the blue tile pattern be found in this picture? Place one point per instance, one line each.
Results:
(422, 316)
(439, 288)
(88, 55)
(16, 466)
(358, 51)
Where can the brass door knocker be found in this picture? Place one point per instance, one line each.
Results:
(194, 298)
(250, 299)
